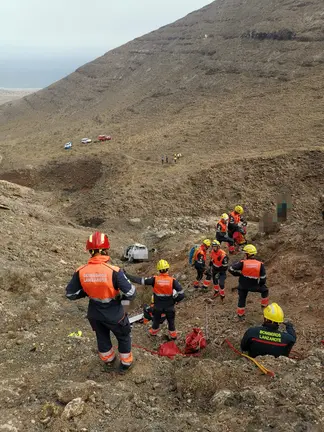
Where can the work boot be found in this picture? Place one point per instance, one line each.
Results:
(222, 298)
(216, 294)
(122, 369)
(153, 332)
(110, 366)
(240, 318)
(173, 335)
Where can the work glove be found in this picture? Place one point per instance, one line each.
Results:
(208, 272)
(287, 322)
(174, 294)
(122, 298)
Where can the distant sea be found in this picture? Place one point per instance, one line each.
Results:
(11, 94)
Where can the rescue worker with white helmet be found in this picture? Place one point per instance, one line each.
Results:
(222, 234)
(218, 267)
(166, 291)
(267, 339)
(199, 259)
(252, 277)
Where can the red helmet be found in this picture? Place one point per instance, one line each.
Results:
(97, 240)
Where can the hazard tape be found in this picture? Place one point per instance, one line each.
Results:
(259, 365)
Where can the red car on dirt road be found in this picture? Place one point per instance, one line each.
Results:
(104, 137)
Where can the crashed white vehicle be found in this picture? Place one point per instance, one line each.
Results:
(136, 252)
(86, 140)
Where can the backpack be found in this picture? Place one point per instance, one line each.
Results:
(192, 254)
(195, 341)
(168, 349)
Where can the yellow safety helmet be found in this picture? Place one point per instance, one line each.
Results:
(225, 216)
(215, 243)
(207, 242)
(274, 313)
(250, 249)
(239, 209)
(162, 265)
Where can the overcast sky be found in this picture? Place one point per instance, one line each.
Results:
(92, 26)
(41, 41)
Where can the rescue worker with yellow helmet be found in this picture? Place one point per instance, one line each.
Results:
(199, 261)
(166, 292)
(252, 278)
(234, 222)
(267, 339)
(218, 267)
(107, 288)
(222, 234)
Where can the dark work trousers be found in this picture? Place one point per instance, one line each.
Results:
(224, 238)
(200, 270)
(170, 316)
(219, 278)
(121, 330)
(242, 294)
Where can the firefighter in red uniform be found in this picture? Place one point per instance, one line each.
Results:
(252, 277)
(199, 259)
(222, 234)
(106, 286)
(218, 267)
(166, 291)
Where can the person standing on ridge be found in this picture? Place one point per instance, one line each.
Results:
(107, 287)
(252, 278)
(166, 291)
(222, 232)
(162, 159)
(218, 266)
(199, 260)
(267, 339)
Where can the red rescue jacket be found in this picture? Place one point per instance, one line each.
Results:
(251, 268)
(163, 285)
(96, 279)
(217, 257)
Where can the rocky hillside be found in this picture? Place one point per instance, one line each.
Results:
(232, 73)
(236, 87)
(50, 381)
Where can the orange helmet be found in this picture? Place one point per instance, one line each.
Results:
(97, 240)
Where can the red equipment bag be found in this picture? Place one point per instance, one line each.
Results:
(195, 341)
(169, 349)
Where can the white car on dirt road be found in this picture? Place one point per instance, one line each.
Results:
(86, 140)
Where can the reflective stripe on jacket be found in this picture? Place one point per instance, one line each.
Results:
(221, 226)
(234, 217)
(217, 258)
(96, 279)
(251, 268)
(163, 285)
(200, 251)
